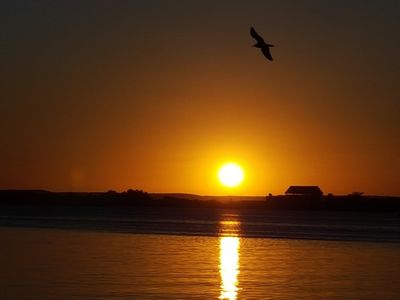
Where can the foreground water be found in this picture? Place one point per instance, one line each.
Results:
(84, 264)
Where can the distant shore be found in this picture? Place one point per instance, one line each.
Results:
(139, 198)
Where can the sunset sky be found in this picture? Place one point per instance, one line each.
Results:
(157, 95)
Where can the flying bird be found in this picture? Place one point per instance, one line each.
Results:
(261, 44)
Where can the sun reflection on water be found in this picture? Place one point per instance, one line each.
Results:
(229, 244)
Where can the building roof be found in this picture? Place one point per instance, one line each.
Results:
(304, 190)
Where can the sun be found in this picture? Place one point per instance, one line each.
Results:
(231, 175)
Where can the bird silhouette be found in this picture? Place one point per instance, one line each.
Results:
(261, 44)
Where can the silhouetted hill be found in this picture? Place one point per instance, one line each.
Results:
(206, 198)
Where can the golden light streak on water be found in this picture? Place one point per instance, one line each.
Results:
(229, 259)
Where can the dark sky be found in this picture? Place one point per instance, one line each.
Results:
(156, 95)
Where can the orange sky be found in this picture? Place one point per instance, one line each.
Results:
(156, 95)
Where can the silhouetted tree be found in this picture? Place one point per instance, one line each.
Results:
(137, 195)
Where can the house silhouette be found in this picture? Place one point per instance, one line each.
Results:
(302, 190)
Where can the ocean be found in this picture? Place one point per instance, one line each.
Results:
(65, 253)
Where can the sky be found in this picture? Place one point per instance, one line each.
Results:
(157, 95)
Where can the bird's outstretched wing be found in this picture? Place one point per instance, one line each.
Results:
(267, 53)
(255, 35)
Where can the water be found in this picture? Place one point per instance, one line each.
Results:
(216, 256)
(324, 225)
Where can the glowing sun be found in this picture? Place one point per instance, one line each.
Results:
(231, 175)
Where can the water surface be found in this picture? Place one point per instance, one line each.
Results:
(78, 264)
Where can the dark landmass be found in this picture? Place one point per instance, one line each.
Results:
(353, 217)
(139, 198)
